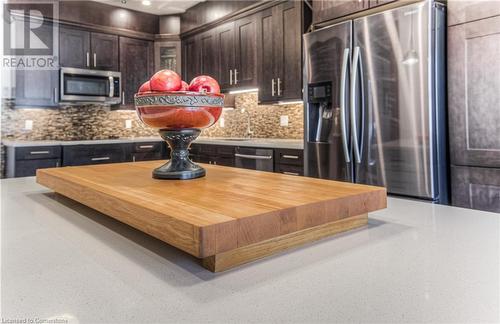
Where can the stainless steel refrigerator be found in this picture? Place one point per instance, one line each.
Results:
(375, 101)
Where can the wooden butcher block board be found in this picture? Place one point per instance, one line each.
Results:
(229, 217)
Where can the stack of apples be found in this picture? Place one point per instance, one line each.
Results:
(167, 84)
(168, 80)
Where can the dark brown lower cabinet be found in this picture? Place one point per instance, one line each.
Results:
(289, 161)
(24, 161)
(212, 154)
(477, 188)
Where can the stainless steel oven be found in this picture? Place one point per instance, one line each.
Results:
(254, 158)
(80, 85)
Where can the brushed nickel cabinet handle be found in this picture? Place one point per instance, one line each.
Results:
(291, 173)
(253, 157)
(235, 76)
(279, 87)
(272, 87)
(104, 158)
(146, 146)
(95, 60)
(123, 97)
(294, 157)
(55, 96)
(230, 77)
(88, 59)
(39, 152)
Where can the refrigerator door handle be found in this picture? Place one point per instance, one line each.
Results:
(354, 124)
(343, 117)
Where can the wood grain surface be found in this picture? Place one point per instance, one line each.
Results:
(228, 209)
(230, 259)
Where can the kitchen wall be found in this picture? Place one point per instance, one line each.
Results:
(98, 122)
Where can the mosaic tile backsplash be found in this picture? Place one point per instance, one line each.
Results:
(99, 122)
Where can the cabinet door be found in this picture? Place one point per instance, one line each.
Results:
(376, 3)
(330, 9)
(245, 68)
(39, 88)
(477, 188)
(104, 52)
(190, 58)
(226, 44)
(266, 55)
(74, 48)
(209, 54)
(473, 93)
(136, 66)
(288, 50)
(27, 168)
(461, 11)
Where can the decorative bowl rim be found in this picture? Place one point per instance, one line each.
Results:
(179, 99)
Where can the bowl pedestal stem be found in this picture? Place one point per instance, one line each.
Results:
(179, 166)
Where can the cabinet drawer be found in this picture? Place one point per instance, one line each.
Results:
(476, 188)
(38, 152)
(27, 168)
(289, 156)
(93, 154)
(147, 147)
(146, 156)
(289, 169)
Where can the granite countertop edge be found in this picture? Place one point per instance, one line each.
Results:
(253, 142)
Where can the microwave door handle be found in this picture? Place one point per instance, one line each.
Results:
(354, 124)
(343, 117)
(111, 87)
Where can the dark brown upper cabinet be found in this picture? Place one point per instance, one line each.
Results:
(280, 52)
(330, 9)
(190, 58)
(266, 55)
(245, 59)
(473, 93)
(237, 53)
(104, 49)
(37, 88)
(85, 50)
(209, 54)
(136, 66)
(226, 46)
(74, 48)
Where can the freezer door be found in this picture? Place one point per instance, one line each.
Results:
(394, 126)
(327, 56)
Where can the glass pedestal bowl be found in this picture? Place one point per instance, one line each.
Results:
(179, 116)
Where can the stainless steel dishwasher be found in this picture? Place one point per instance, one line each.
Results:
(254, 158)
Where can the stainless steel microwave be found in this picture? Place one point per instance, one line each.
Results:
(81, 85)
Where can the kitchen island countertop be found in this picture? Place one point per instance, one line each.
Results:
(415, 262)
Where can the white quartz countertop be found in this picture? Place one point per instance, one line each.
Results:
(251, 142)
(414, 262)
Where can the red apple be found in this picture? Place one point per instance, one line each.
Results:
(204, 83)
(145, 87)
(165, 80)
(185, 86)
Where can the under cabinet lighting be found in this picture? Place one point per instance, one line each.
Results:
(243, 91)
(146, 2)
(294, 102)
